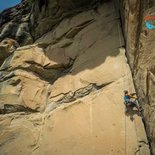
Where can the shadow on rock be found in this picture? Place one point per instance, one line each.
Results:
(131, 111)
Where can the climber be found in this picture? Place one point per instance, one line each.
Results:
(131, 100)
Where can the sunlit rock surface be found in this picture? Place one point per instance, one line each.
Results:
(63, 94)
(141, 55)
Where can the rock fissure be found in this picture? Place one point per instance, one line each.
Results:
(82, 92)
(73, 96)
(14, 108)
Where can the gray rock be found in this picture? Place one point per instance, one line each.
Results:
(14, 23)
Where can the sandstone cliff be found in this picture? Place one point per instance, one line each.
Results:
(140, 48)
(63, 94)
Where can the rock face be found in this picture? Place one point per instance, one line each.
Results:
(63, 94)
(141, 54)
(90, 125)
(47, 14)
(14, 23)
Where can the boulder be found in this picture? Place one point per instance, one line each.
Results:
(7, 47)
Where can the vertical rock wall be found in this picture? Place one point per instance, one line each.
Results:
(140, 45)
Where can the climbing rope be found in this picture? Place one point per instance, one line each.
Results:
(127, 85)
(127, 82)
(124, 88)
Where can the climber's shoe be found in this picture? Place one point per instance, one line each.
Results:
(126, 110)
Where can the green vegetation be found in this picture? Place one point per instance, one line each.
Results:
(30, 2)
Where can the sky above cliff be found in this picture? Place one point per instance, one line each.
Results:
(4, 4)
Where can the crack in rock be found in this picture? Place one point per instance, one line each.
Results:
(72, 96)
(9, 108)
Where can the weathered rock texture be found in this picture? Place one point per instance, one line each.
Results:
(7, 47)
(92, 125)
(14, 23)
(47, 14)
(63, 94)
(141, 55)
